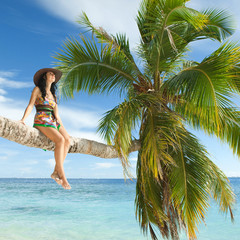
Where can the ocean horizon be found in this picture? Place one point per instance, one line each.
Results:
(94, 209)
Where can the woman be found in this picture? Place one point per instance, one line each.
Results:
(47, 119)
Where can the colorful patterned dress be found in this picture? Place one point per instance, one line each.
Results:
(45, 115)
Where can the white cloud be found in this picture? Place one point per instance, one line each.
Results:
(76, 121)
(4, 82)
(5, 154)
(80, 118)
(25, 170)
(7, 74)
(232, 173)
(2, 92)
(51, 162)
(134, 159)
(106, 165)
(5, 99)
(10, 108)
(112, 15)
(15, 111)
(84, 134)
(32, 162)
(3, 158)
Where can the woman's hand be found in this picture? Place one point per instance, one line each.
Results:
(21, 121)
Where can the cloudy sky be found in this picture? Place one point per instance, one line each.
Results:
(31, 32)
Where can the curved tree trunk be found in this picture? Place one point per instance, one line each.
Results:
(32, 137)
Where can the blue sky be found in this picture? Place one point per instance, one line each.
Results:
(31, 32)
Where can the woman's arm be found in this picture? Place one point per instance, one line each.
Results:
(30, 106)
(55, 111)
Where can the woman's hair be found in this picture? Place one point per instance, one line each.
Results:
(42, 86)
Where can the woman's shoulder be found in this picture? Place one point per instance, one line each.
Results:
(36, 91)
(36, 88)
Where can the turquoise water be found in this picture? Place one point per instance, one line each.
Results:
(92, 210)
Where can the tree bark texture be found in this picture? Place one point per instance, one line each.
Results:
(32, 137)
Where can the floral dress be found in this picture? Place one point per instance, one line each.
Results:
(45, 115)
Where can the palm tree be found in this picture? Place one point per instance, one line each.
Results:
(175, 175)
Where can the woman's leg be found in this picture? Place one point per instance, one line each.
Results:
(59, 141)
(66, 136)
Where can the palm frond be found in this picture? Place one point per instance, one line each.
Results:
(89, 69)
(119, 41)
(157, 134)
(117, 125)
(221, 190)
(149, 201)
(167, 28)
(202, 118)
(208, 85)
(220, 26)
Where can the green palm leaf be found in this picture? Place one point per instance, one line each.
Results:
(117, 125)
(203, 119)
(87, 69)
(221, 189)
(220, 25)
(207, 88)
(167, 28)
(119, 41)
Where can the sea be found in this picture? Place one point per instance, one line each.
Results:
(94, 209)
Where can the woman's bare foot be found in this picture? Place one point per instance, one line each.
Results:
(61, 177)
(65, 184)
(56, 177)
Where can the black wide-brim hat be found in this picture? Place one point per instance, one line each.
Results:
(41, 71)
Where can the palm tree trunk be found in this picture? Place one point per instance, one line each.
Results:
(32, 137)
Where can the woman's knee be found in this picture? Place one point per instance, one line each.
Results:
(67, 141)
(60, 140)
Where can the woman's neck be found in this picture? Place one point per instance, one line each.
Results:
(48, 87)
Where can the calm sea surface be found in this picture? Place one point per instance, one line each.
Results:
(94, 209)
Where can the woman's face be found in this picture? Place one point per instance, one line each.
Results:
(50, 77)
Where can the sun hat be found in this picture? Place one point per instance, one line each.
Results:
(41, 71)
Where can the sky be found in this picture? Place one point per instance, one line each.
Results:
(31, 33)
